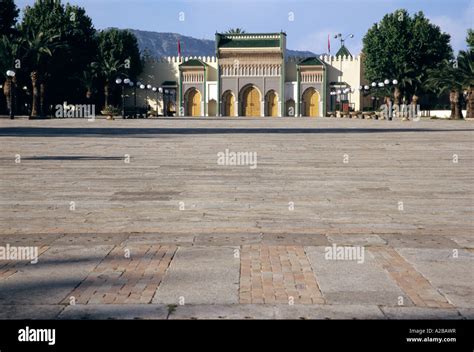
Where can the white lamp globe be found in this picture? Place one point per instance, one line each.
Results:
(118, 81)
(126, 81)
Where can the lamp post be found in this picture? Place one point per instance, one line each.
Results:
(155, 90)
(11, 74)
(342, 38)
(160, 91)
(166, 100)
(121, 83)
(146, 88)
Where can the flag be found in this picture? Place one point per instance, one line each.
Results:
(179, 49)
(329, 44)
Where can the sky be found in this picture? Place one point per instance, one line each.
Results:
(306, 22)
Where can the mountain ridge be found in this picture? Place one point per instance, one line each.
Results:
(162, 44)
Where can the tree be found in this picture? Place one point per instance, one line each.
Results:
(404, 48)
(8, 15)
(75, 46)
(118, 54)
(10, 50)
(39, 48)
(470, 39)
(235, 31)
(466, 71)
(444, 79)
(456, 77)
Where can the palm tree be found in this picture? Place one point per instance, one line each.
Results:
(466, 71)
(235, 31)
(10, 50)
(38, 48)
(88, 78)
(456, 77)
(447, 78)
(109, 68)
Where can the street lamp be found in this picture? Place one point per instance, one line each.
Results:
(343, 39)
(146, 88)
(155, 90)
(134, 86)
(122, 83)
(11, 74)
(166, 100)
(160, 90)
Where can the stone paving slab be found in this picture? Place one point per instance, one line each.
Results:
(227, 239)
(453, 277)
(201, 275)
(160, 238)
(29, 239)
(467, 313)
(58, 271)
(90, 239)
(464, 241)
(30, 312)
(409, 313)
(295, 239)
(356, 240)
(420, 241)
(266, 312)
(347, 282)
(115, 312)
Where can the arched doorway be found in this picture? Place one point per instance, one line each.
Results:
(228, 102)
(212, 108)
(251, 99)
(290, 108)
(193, 102)
(271, 104)
(311, 103)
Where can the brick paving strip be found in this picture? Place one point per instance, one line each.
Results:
(121, 280)
(277, 274)
(415, 285)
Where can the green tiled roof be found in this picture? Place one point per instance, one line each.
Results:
(343, 51)
(193, 62)
(242, 40)
(311, 61)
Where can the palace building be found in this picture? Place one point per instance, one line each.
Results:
(251, 75)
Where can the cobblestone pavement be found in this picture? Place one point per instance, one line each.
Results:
(138, 220)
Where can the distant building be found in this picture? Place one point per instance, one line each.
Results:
(251, 75)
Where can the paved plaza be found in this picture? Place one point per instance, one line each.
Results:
(138, 219)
